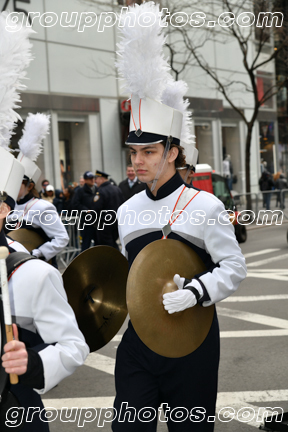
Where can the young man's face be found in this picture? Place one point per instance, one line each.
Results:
(146, 160)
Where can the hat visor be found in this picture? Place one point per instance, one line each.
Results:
(148, 138)
(10, 202)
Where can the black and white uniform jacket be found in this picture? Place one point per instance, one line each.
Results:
(41, 216)
(204, 226)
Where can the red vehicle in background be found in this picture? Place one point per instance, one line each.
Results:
(207, 180)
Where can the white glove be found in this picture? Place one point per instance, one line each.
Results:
(37, 253)
(180, 300)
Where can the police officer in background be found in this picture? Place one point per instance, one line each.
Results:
(131, 185)
(106, 202)
(82, 201)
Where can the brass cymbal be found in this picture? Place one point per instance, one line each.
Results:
(95, 283)
(150, 276)
(30, 239)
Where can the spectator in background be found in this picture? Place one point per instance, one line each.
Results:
(81, 181)
(49, 194)
(82, 201)
(44, 184)
(68, 198)
(131, 185)
(266, 184)
(58, 200)
(281, 183)
(228, 171)
(63, 199)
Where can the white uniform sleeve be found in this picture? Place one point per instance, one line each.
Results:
(220, 242)
(51, 224)
(123, 249)
(18, 247)
(56, 324)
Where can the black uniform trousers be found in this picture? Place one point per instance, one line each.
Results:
(88, 234)
(146, 379)
(34, 419)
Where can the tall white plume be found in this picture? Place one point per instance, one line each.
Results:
(142, 65)
(141, 61)
(15, 57)
(35, 130)
(173, 96)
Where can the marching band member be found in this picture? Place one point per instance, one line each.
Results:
(34, 213)
(50, 345)
(159, 121)
(188, 169)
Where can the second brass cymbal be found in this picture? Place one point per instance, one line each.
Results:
(95, 282)
(30, 239)
(150, 276)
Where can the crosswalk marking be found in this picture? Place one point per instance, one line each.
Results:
(70, 403)
(263, 252)
(240, 299)
(223, 399)
(101, 362)
(274, 274)
(254, 318)
(267, 260)
(252, 333)
(226, 398)
(235, 400)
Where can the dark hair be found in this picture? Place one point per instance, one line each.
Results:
(33, 193)
(44, 181)
(129, 166)
(180, 161)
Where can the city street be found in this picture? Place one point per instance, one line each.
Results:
(254, 349)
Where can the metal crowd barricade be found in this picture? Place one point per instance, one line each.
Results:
(241, 201)
(73, 247)
(284, 194)
(276, 201)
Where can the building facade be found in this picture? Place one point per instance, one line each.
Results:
(73, 78)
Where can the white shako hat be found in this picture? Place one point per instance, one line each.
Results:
(15, 57)
(30, 145)
(155, 116)
(191, 154)
(153, 122)
(11, 175)
(31, 171)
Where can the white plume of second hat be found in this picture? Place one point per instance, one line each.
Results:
(11, 176)
(35, 130)
(31, 170)
(191, 156)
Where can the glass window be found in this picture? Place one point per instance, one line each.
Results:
(267, 143)
(264, 85)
